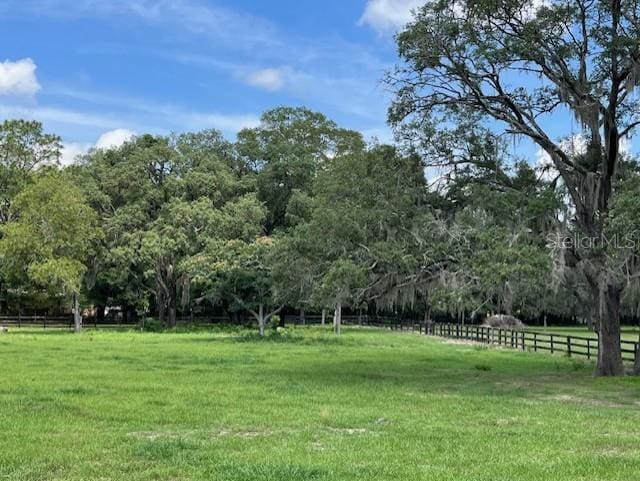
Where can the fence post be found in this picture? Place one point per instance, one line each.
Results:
(568, 346)
(524, 348)
(535, 342)
(551, 338)
(588, 348)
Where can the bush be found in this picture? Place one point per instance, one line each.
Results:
(274, 322)
(151, 324)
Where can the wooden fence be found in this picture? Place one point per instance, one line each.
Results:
(528, 340)
(525, 340)
(44, 321)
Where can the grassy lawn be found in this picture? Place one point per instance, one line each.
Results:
(371, 405)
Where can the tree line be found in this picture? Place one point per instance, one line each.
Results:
(297, 213)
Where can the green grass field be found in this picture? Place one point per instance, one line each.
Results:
(371, 405)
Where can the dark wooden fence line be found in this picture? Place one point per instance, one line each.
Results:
(524, 340)
(45, 321)
(529, 340)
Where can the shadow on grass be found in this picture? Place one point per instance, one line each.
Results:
(467, 371)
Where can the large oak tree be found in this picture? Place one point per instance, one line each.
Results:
(517, 64)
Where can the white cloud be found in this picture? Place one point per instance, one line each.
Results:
(18, 78)
(389, 15)
(381, 134)
(626, 145)
(71, 151)
(573, 146)
(114, 138)
(576, 145)
(224, 25)
(109, 140)
(58, 115)
(270, 79)
(226, 123)
(228, 38)
(172, 118)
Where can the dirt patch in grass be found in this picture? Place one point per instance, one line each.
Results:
(584, 400)
(205, 433)
(461, 342)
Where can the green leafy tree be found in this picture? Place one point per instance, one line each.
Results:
(368, 238)
(24, 147)
(286, 151)
(240, 271)
(160, 200)
(52, 234)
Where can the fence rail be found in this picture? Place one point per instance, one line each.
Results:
(531, 340)
(524, 340)
(44, 321)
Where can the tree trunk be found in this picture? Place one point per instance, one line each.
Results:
(337, 318)
(636, 365)
(171, 301)
(162, 308)
(172, 316)
(324, 316)
(77, 317)
(609, 353)
(261, 322)
(303, 319)
(172, 307)
(100, 314)
(125, 314)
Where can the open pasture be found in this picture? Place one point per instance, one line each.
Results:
(369, 405)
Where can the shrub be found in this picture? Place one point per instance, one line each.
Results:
(151, 324)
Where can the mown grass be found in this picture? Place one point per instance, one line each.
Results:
(371, 405)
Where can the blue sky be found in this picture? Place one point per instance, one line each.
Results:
(95, 71)
(98, 71)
